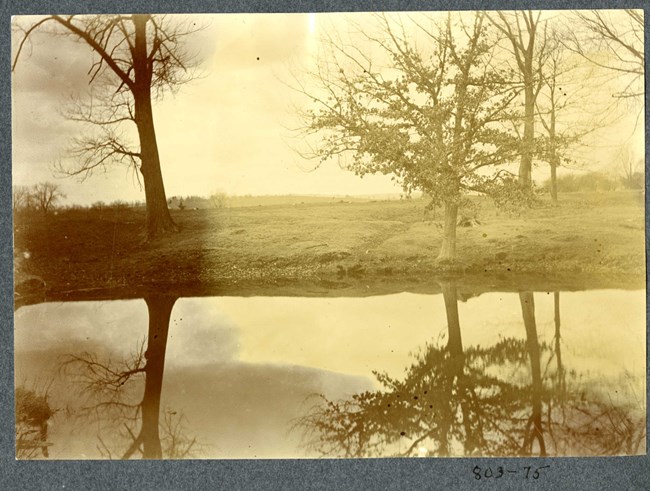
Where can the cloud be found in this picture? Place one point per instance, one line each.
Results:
(51, 65)
(225, 129)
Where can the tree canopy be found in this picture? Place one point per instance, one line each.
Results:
(433, 118)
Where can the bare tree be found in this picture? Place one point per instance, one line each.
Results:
(631, 168)
(46, 195)
(563, 105)
(136, 59)
(533, 429)
(555, 102)
(613, 40)
(21, 197)
(218, 200)
(528, 41)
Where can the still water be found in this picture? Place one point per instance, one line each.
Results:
(453, 374)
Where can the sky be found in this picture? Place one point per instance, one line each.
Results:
(232, 129)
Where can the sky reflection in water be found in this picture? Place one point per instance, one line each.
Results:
(281, 377)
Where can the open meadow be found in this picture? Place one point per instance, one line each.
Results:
(595, 238)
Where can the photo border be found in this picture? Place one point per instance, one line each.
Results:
(403, 474)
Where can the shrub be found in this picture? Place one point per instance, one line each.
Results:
(592, 181)
(634, 181)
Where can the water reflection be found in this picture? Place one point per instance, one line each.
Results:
(160, 309)
(237, 377)
(32, 416)
(109, 384)
(455, 402)
(534, 431)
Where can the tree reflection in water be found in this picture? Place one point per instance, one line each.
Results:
(112, 390)
(33, 413)
(493, 401)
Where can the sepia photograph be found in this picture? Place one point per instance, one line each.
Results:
(329, 235)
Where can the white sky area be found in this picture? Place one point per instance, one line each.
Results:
(232, 129)
(347, 335)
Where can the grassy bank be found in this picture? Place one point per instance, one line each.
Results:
(597, 236)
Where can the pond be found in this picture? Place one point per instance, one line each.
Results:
(452, 374)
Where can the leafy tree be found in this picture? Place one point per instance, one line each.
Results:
(446, 403)
(46, 195)
(136, 59)
(433, 119)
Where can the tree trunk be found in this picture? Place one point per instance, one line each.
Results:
(561, 382)
(553, 143)
(532, 343)
(450, 295)
(473, 433)
(448, 249)
(160, 309)
(453, 371)
(553, 180)
(526, 164)
(159, 221)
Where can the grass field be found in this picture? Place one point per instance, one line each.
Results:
(595, 237)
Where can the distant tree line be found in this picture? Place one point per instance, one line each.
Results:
(592, 181)
(45, 197)
(42, 197)
(193, 202)
(216, 200)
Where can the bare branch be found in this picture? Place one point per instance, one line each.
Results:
(97, 48)
(24, 39)
(608, 42)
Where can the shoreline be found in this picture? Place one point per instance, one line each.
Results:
(590, 240)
